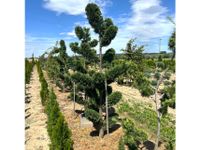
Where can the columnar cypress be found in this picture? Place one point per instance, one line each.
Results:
(59, 133)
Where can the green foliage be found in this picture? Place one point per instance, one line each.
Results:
(94, 16)
(114, 98)
(57, 128)
(85, 48)
(157, 75)
(146, 90)
(147, 117)
(169, 63)
(143, 84)
(79, 32)
(61, 135)
(159, 58)
(120, 80)
(160, 65)
(132, 135)
(82, 79)
(121, 145)
(93, 83)
(133, 52)
(93, 43)
(44, 92)
(74, 47)
(28, 69)
(104, 27)
(150, 63)
(109, 55)
(67, 81)
(93, 116)
(154, 82)
(53, 68)
(77, 65)
(166, 83)
(57, 62)
(168, 98)
(147, 74)
(172, 43)
(109, 35)
(59, 84)
(116, 71)
(167, 75)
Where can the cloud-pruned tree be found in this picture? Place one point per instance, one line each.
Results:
(86, 46)
(104, 27)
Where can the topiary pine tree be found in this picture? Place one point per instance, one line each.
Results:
(104, 27)
(109, 56)
(94, 85)
(57, 65)
(85, 48)
(106, 31)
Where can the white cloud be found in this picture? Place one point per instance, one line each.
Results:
(62, 33)
(147, 21)
(71, 34)
(39, 45)
(73, 7)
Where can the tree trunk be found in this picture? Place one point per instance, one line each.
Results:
(74, 97)
(173, 55)
(158, 106)
(84, 63)
(158, 131)
(101, 132)
(100, 55)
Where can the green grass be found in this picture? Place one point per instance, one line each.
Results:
(146, 118)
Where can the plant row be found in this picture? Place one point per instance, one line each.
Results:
(28, 69)
(58, 130)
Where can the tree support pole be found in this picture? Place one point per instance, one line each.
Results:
(107, 117)
(74, 97)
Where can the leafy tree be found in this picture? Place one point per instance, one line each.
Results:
(172, 44)
(133, 52)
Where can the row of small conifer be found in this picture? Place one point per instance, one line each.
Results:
(59, 133)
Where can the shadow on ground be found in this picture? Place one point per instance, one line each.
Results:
(111, 130)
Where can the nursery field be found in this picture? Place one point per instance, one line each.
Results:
(100, 101)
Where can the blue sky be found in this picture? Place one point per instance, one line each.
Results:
(48, 21)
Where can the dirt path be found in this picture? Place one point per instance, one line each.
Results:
(84, 138)
(36, 136)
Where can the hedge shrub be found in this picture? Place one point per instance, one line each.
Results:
(59, 133)
(28, 69)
